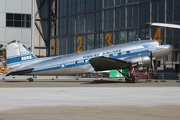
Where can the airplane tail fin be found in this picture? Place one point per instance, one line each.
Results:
(16, 54)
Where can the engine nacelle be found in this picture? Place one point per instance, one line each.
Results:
(140, 60)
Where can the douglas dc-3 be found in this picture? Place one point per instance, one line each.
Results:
(21, 61)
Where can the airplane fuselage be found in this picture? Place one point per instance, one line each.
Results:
(74, 63)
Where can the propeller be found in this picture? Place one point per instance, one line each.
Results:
(152, 62)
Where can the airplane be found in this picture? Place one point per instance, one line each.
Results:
(164, 25)
(135, 54)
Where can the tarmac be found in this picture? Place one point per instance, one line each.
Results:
(66, 98)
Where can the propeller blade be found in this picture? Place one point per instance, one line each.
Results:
(152, 62)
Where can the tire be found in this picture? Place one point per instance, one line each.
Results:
(30, 80)
(131, 79)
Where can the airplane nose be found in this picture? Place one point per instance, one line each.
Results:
(170, 48)
(163, 51)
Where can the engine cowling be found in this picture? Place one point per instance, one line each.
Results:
(140, 61)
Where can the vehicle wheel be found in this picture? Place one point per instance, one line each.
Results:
(30, 80)
(131, 79)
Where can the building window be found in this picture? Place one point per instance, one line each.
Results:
(18, 20)
(132, 16)
(79, 5)
(71, 7)
(132, 35)
(158, 11)
(89, 42)
(120, 17)
(63, 26)
(71, 24)
(144, 13)
(70, 45)
(90, 22)
(80, 24)
(98, 4)
(63, 7)
(131, 1)
(144, 33)
(176, 10)
(120, 2)
(108, 19)
(98, 40)
(173, 8)
(62, 46)
(98, 26)
(90, 5)
(119, 37)
(108, 3)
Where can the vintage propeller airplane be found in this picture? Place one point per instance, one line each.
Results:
(21, 61)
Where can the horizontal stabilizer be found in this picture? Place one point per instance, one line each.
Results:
(20, 72)
(103, 63)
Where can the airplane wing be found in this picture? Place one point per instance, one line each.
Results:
(103, 63)
(165, 25)
(20, 72)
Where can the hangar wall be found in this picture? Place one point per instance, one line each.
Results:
(15, 21)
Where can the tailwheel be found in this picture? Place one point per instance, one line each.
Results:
(130, 79)
(30, 79)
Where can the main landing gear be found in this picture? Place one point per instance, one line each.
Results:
(31, 79)
(130, 78)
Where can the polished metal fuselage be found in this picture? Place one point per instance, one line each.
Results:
(76, 63)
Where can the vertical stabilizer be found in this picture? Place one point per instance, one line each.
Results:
(17, 54)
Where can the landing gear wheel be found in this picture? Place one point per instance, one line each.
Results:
(130, 79)
(30, 79)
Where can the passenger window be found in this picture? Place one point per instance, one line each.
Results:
(127, 52)
(77, 62)
(110, 55)
(119, 54)
(63, 65)
(85, 60)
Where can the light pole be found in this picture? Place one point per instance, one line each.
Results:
(32, 24)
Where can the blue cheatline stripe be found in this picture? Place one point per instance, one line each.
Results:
(59, 67)
(85, 63)
(18, 59)
(14, 60)
(132, 54)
